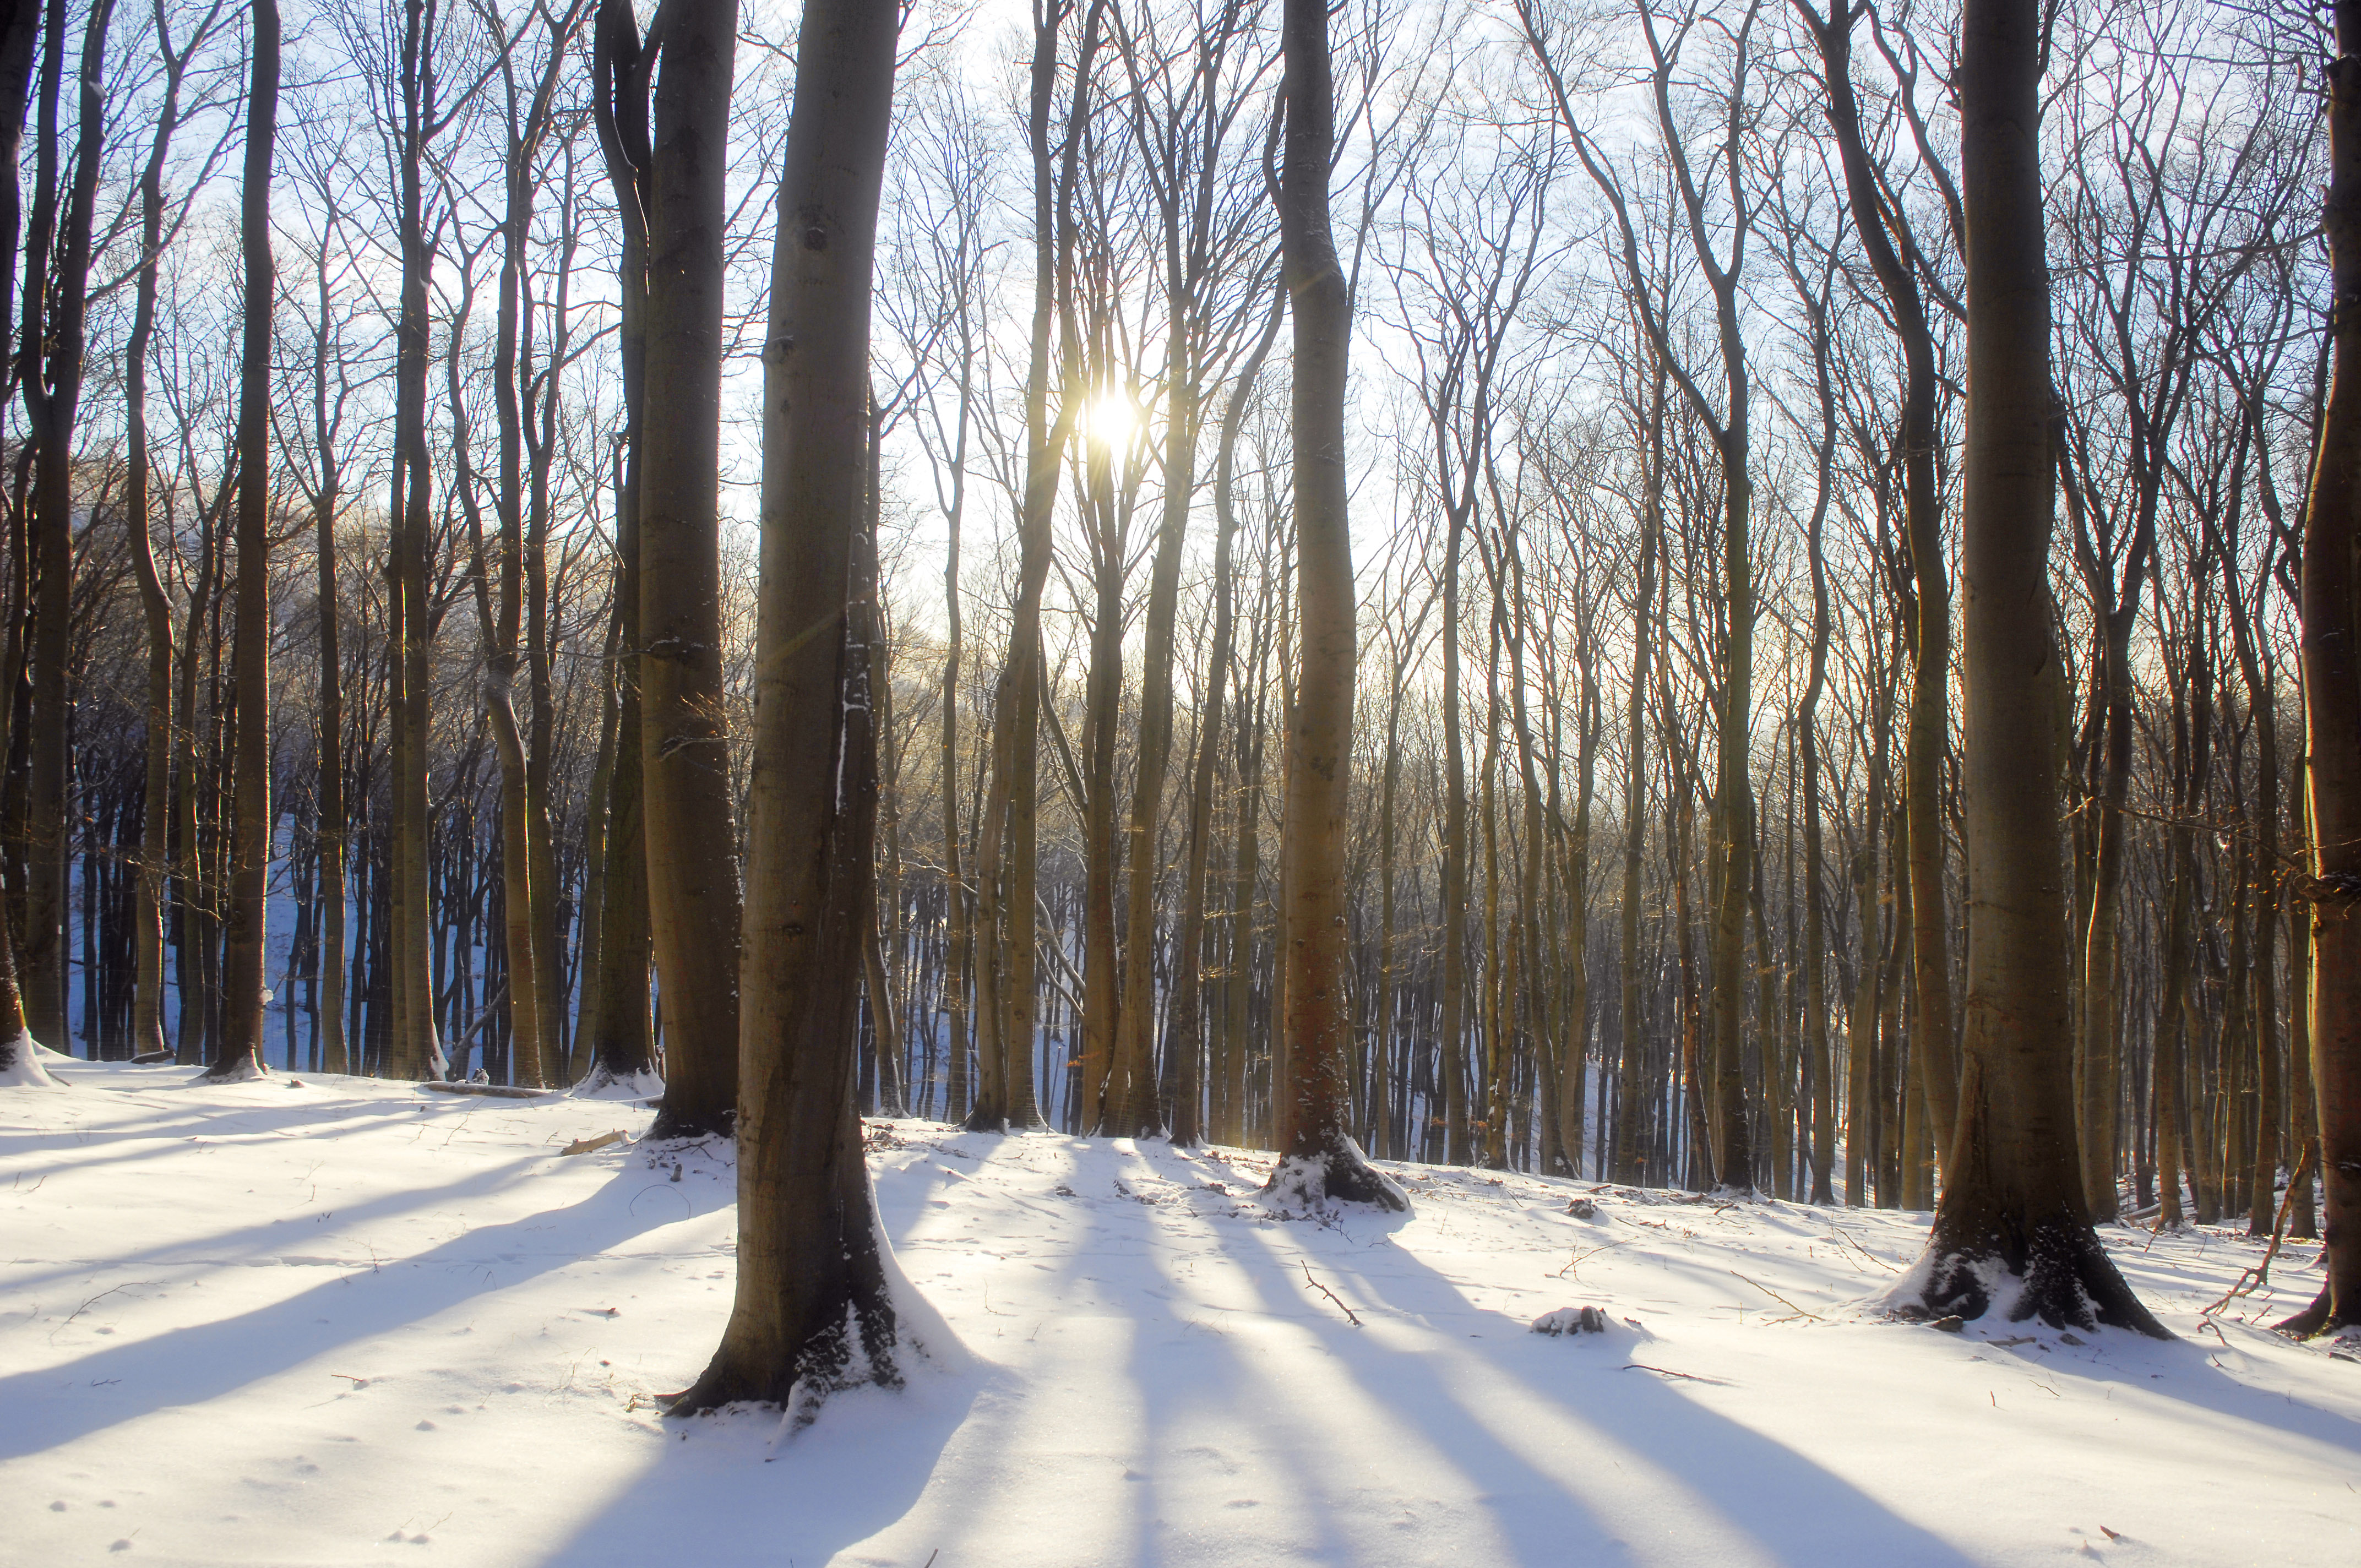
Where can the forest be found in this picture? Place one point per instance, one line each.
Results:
(1664, 598)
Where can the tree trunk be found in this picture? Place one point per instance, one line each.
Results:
(240, 1050)
(414, 1048)
(52, 393)
(1879, 224)
(2015, 1201)
(155, 817)
(693, 886)
(814, 1309)
(1630, 1162)
(1185, 1034)
(1319, 1160)
(621, 1042)
(1005, 869)
(2332, 706)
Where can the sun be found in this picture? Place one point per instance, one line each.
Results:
(1111, 419)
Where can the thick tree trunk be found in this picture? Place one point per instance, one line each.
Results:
(2015, 1202)
(692, 884)
(814, 1312)
(2332, 706)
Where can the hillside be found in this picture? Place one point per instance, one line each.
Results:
(345, 1322)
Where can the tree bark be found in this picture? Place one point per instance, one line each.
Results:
(814, 1312)
(1319, 1160)
(621, 1042)
(51, 345)
(239, 1052)
(2016, 1200)
(2332, 709)
(692, 884)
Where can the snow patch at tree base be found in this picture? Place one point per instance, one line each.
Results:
(1312, 1184)
(602, 1084)
(21, 1067)
(245, 1070)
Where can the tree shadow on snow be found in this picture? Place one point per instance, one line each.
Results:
(730, 1489)
(204, 1361)
(1722, 1478)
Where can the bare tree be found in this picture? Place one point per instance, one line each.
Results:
(693, 892)
(238, 1053)
(2014, 1203)
(1319, 1160)
(2332, 709)
(815, 1312)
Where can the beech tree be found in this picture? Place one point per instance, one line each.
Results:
(2015, 1194)
(1317, 1157)
(693, 892)
(814, 1311)
(2332, 711)
(251, 829)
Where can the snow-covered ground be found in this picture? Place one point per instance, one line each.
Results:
(345, 1321)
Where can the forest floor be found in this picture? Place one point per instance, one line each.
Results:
(344, 1321)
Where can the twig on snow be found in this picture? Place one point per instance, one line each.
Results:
(1349, 1316)
(1667, 1372)
(1781, 1299)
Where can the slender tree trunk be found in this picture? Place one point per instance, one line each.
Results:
(1185, 1034)
(1629, 1165)
(414, 1048)
(1454, 911)
(1135, 1019)
(51, 373)
(239, 1054)
(958, 904)
(155, 818)
(620, 1043)
(693, 892)
(1006, 873)
(1884, 233)
(1104, 1083)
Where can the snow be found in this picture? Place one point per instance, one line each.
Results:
(327, 1321)
(602, 1084)
(24, 1064)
